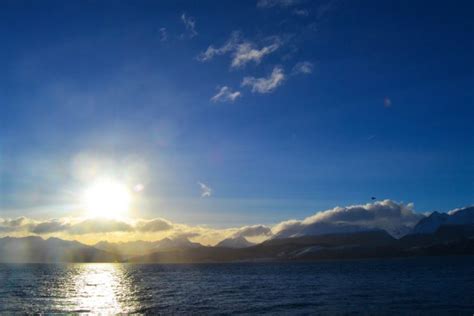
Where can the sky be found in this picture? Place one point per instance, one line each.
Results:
(226, 114)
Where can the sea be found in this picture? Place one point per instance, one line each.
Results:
(410, 286)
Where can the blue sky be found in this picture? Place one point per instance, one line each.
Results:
(373, 98)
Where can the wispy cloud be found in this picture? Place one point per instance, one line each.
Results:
(163, 34)
(226, 94)
(301, 12)
(254, 230)
(189, 24)
(326, 8)
(206, 191)
(321, 12)
(212, 51)
(304, 67)
(265, 85)
(276, 3)
(246, 52)
(242, 51)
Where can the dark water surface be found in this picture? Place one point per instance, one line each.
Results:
(394, 286)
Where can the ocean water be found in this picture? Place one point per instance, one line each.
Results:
(430, 285)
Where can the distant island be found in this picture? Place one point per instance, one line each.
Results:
(435, 235)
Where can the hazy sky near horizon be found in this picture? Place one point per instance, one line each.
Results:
(230, 113)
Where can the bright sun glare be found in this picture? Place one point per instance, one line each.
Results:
(106, 198)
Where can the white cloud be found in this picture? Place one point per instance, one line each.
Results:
(304, 67)
(242, 51)
(265, 85)
(253, 230)
(229, 46)
(189, 24)
(395, 218)
(226, 94)
(246, 52)
(206, 191)
(276, 3)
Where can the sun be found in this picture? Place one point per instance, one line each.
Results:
(106, 198)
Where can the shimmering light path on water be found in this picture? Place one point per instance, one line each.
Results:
(430, 285)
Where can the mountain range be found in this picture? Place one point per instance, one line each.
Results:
(139, 248)
(457, 217)
(436, 234)
(37, 249)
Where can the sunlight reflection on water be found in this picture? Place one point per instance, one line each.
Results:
(97, 287)
(438, 285)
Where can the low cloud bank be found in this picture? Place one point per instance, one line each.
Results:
(396, 218)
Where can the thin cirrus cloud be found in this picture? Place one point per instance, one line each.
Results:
(206, 191)
(163, 34)
(226, 94)
(265, 84)
(304, 67)
(301, 12)
(264, 4)
(242, 51)
(189, 24)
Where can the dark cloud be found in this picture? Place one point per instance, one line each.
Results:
(154, 225)
(10, 225)
(51, 226)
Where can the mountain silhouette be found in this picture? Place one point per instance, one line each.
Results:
(37, 249)
(235, 242)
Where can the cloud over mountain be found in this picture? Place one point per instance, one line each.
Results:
(252, 231)
(395, 218)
